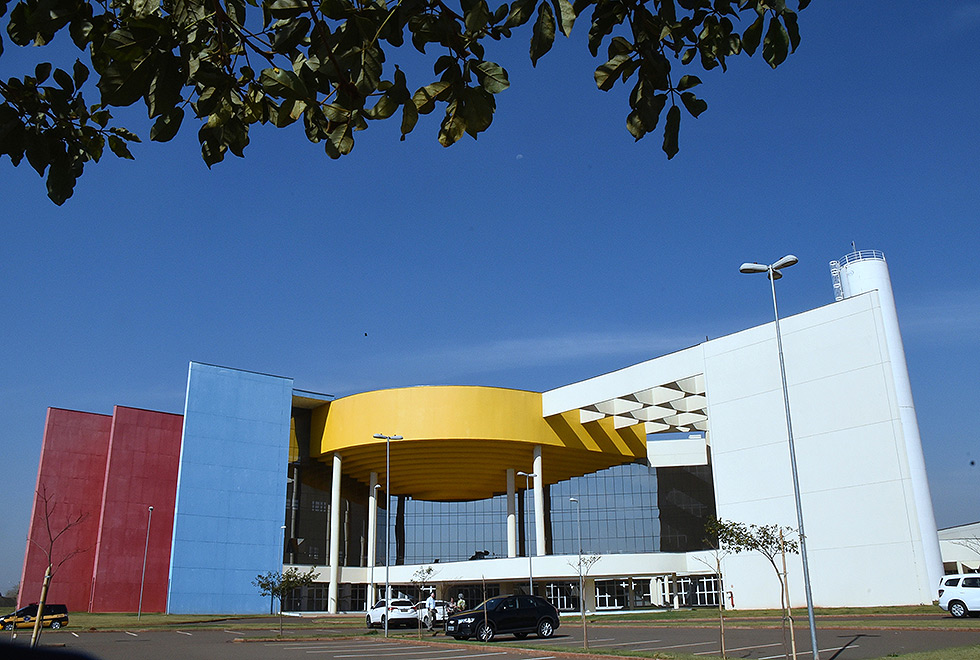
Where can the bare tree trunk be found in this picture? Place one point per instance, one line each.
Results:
(36, 635)
(721, 606)
(788, 611)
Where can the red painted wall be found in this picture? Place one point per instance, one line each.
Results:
(72, 473)
(144, 452)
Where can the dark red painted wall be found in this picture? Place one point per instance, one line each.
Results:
(144, 452)
(72, 472)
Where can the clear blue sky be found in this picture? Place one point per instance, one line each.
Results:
(550, 250)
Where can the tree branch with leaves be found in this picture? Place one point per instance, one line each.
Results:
(334, 66)
(279, 585)
(770, 541)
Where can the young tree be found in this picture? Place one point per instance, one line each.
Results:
(717, 553)
(767, 540)
(583, 564)
(334, 64)
(420, 578)
(52, 530)
(279, 585)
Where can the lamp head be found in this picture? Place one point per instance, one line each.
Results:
(785, 262)
(752, 267)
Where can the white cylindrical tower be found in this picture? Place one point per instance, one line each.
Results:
(861, 272)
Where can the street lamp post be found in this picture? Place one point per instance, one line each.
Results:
(527, 486)
(772, 272)
(146, 547)
(387, 439)
(581, 582)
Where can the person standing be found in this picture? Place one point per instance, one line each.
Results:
(430, 605)
(461, 604)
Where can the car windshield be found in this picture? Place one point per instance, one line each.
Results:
(401, 603)
(491, 604)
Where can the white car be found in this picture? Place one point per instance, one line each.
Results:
(401, 612)
(960, 595)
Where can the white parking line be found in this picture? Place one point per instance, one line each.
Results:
(181, 632)
(75, 634)
(741, 648)
(646, 641)
(425, 651)
(675, 646)
(131, 633)
(452, 657)
(773, 657)
(234, 632)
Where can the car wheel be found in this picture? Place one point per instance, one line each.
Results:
(8, 626)
(546, 628)
(958, 609)
(381, 624)
(520, 635)
(55, 625)
(484, 632)
(367, 620)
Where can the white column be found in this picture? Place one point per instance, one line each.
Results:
(538, 503)
(372, 549)
(511, 514)
(333, 589)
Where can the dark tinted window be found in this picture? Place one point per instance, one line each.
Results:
(953, 582)
(971, 582)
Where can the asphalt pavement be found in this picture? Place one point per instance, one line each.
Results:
(232, 644)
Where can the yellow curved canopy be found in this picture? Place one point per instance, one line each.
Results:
(458, 442)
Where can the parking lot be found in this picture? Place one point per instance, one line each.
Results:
(757, 644)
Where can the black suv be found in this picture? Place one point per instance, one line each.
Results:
(518, 615)
(55, 616)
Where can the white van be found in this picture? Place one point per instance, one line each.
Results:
(960, 595)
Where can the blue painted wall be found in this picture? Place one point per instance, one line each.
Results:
(231, 490)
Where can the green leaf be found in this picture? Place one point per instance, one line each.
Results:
(118, 147)
(753, 35)
(607, 74)
(453, 125)
(61, 180)
(566, 14)
(339, 142)
(520, 13)
(775, 47)
(793, 28)
(125, 134)
(544, 33)
(283, 84)
(492, 76)
(671, 131)
(384, 108)
(124, 83)
(477, 17)
(167, 125)
(477, 110)
(64, 81)
(693, 104)
(687, 82)
(42, 71)
(165, 88)
(425, 98)
(410, 117)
